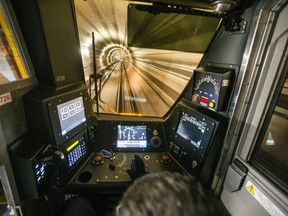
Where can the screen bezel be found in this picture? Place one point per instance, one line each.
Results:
(82, 135)
(150, 127)
(129, 125)
(54, 116)
(79, 121)
(188, 127)
(206, 137)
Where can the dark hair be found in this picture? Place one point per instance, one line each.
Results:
(167, 193)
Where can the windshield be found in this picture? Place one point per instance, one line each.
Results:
(144, 59)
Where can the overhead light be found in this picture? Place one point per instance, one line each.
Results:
(223, 6)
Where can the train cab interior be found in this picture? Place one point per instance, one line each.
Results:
(97, 93)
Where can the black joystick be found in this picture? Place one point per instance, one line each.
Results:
(137, 168)
(112, 162)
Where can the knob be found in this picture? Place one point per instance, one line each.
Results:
(98, 160)
(165, 159)
(155, 141)
(194, 164)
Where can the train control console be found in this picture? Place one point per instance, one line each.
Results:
(195, 140)
(122, 167)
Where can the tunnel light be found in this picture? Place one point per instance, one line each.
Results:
(85, 51)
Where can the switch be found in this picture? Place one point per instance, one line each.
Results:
(194, 98)
(211, 104)
(165, 159)
(204, 100)
(194, 164)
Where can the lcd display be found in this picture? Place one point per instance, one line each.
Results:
(71, 114)
(40, 171)
(76, 151)
(131, 136)
(191, 130)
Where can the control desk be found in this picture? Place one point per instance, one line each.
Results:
(110, 153)
(83, 151)
(189, 142)
(122, 167)
(124, 151)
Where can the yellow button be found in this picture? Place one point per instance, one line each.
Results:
(155, 132)
(211, 104)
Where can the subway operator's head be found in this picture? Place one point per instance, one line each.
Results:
(167, 194)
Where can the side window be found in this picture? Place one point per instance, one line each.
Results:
(12, 64)
(271, 157)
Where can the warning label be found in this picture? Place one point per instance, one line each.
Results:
(263, 200)
(251, 189)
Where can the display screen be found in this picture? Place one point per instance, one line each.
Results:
(191, 129)
(71, 114)
(40, 171)
(75, 151)
(131, 136)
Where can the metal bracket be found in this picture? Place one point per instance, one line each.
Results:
(234, 24)
(238, 28)
(235, 176)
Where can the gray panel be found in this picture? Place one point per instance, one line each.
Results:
(242, 203)
(262, 67)
(12, 117)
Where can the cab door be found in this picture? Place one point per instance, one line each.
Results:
(256, 181)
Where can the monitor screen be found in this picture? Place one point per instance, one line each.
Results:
(75, 151)
(131, 136)
(71, 114)
(191, 129)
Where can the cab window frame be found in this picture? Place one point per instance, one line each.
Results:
(14, 29)
(271, 176)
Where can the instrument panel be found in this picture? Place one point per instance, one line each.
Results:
(195, 139)
(137, 137)
(195, 130)
(212, 87)
(104, 151)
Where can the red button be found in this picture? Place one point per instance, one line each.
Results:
(204, 100)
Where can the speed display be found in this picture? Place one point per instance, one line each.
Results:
(131, 136)
(212, 87)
